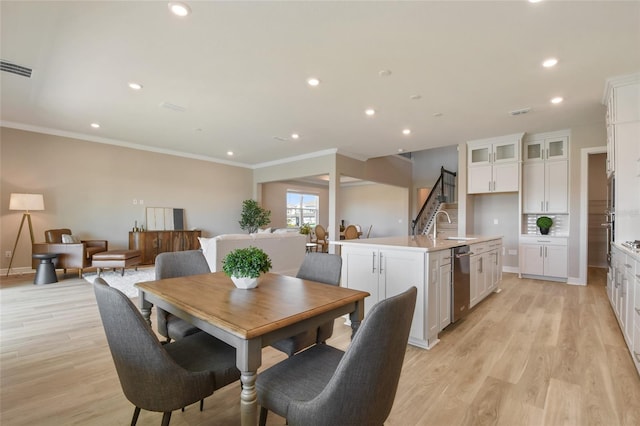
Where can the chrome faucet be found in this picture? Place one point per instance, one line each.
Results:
(435, 223)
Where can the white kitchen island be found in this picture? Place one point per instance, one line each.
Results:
(388, 266)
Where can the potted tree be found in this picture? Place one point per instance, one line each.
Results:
(544, 223)
(244, 266)
(253, 216)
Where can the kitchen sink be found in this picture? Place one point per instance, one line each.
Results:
(461, 238)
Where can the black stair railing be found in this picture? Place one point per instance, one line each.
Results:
(442, 192)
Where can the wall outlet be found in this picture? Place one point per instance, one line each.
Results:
(135, 201)
(141, 202)
(7, 253)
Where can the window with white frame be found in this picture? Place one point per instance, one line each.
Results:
(302, 208)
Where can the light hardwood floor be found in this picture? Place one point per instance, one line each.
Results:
(538, 353)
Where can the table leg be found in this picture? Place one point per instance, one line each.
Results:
(248, 398)
(145, 308)
(356, 316)
(248, 360)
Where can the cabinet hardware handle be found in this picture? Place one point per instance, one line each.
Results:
(547, 209)
(540, 251)
(373, 265)
(380, 265)
(546, 253)
(489, 186)
(541, 206)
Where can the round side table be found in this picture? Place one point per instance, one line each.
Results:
(46, 272)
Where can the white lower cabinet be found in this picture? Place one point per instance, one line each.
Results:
(486, 269)
(624, 295)
(543, 256)
(385, 272)
(445, 287)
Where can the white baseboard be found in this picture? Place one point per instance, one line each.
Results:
(511, 269)
(576, 281)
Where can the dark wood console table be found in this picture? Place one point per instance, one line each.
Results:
(152, 243)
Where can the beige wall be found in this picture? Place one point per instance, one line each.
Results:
(383, 206)
(90, 187)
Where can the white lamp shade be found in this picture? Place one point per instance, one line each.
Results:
(26, 202)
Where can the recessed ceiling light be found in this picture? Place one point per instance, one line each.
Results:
(557, 100)
(535, 1)
(135, 86)
(400, 149)
(415, 97)
(548, 63)
(95, 125)
(295, 136)
(179, 9)
(384, 73)
(437, 114)
(229, 153)
(406, 132)
(370, 111)
(313, 82)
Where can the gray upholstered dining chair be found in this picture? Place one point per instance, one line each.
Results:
(172, 265)
(159, 377)
(325, 386)
(321, 267)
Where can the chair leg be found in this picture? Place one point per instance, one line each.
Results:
(134, 419)
(201, 404)
(263, 416)
(122, 274)
(166, 418)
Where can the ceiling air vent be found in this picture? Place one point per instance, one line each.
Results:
(15, 69)
(520, 111)
(173, 107)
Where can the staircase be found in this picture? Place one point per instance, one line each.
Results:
(443, 193)
(445, 229)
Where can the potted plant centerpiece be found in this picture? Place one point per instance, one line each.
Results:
(544, 223)
(244, 266)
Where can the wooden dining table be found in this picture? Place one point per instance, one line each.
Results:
(280, 307)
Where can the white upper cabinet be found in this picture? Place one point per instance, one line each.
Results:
(546, 149)
(545, 174)
(493, 164)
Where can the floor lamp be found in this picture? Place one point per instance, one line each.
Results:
(24, 202)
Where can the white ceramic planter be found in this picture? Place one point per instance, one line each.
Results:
(245, 283)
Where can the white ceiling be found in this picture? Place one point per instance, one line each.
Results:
(240, 70)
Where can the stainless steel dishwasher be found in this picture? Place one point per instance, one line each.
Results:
(461, 291)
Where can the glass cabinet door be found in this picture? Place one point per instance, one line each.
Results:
(479, 155)
(533, 150)
(506, 151)
(547, 149)
(556, 149)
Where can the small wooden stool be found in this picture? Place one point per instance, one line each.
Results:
(116, 259)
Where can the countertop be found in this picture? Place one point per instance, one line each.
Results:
(633, 253)
(419, 242)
